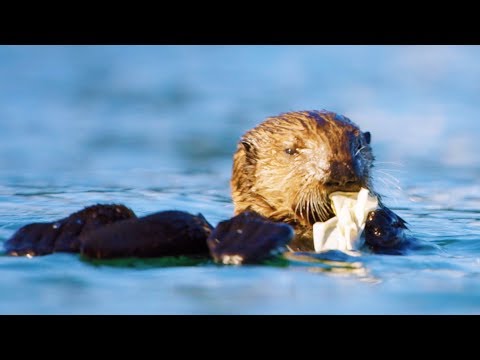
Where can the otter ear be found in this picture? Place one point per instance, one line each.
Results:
(250, 151)
(248, 146)
(368, 136)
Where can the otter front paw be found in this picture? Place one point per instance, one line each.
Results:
(248, 238)
(63, 235)
(384, 230)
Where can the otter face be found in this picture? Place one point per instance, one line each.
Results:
(286, 167)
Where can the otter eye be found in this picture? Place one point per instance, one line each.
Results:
(367, 136)
(291, 151)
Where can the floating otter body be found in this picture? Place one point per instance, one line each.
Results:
(283, 171)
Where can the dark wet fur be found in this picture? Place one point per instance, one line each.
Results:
(166, 233)
(63, 235)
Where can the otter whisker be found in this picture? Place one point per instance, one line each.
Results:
(308, 207)
(387, 185)
(388, 182)
(299, 205)
(316, 205)
(390, 163)
(319, 211)
(295, 209)
(315, 210)
(358, 151)
(394, 170)
(304, 201)
(327, 210)
(383, 181)
(390, 176)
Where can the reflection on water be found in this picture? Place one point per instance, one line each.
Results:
(334, 262)
(155, 127)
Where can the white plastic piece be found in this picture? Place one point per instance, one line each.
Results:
(343, 232)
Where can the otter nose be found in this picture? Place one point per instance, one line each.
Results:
(343, 177)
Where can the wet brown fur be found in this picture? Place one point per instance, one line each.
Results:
(326, 152)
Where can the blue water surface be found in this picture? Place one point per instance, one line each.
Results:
(154, 127)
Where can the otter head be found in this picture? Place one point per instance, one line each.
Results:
(286, 167)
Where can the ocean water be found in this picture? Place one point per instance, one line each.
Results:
(155, 127)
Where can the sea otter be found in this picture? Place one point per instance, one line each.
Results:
(285, 168)
(283, 171)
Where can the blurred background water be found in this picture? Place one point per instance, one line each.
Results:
(155, 127)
